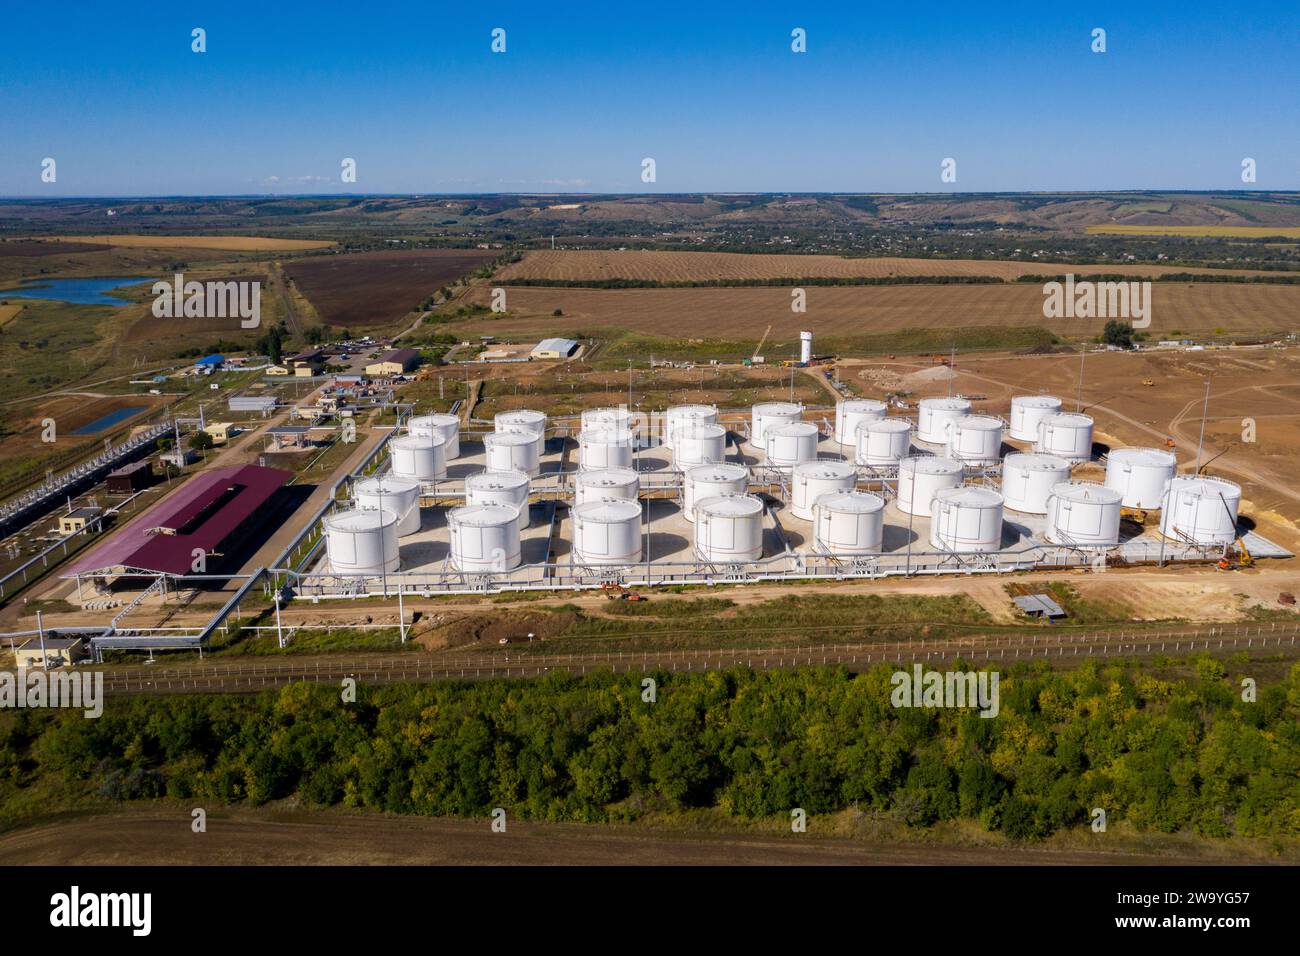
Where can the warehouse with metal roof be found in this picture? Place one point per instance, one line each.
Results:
(215, 513)
(554, 348)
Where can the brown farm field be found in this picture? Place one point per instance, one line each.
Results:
(372, 288)
(224, 243)
(29, 249)
(742, 314)
(1214, 232)
(649, 265)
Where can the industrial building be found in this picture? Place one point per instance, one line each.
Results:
(49, 652)
(77, 519)
(130, 478)
(394, 362)
(211, 516)
(554, 349)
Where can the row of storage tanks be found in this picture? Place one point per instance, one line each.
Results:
(486, 532)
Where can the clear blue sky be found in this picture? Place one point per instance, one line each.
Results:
(712, 92)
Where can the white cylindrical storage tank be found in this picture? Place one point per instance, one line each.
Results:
(607, 532)
(679, 415)
(812, 479)
(1140, 474)
(484, 538)
(618, 419)
(933, 416)
(698, 444)
(520, 420)
(849, 522)
(446, 427)
(1067, 434)
(1027, 411)
(392, 493)
(1084, 513)
(805, 347)
(508, 488)
(709, 481)
(729, 528)
(791, 443)
(513, 451)
(850, 413)
(975, 439)
(771, 413)
(1200, 510)
(921, 477)
(604, 448)
(622, 483)
(422, 457)
(884, 441)
(1028, 480)
(966, 519)
(362, 542)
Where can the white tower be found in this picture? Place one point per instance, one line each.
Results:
(805, 347)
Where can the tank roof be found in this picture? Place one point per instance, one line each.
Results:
(497, 479)
(730, 506)
(1087, 491)
(482, 516)
(930, 465)
(609, 510)
(1152, 457)
(825, 468)
(1031, 461)
(970, 495)
(850, 502)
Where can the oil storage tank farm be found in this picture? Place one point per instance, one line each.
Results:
(606, 483)
(1067, 435)
(933, 416)
(883, 441)
(523, 420)
(484, 538)
(1026, 413)
(849, 522)
(729, 528)
(921, 477)
(698, 443)
(688, 415)
(766, 414)
(1200, 510)
(1028, 480)
(513, 451)
(446, 427)
(850, 413)
(607, 532)
(966, 520)
(1140, 475)
(421, 457)
(619, 419)
(500, 488)
(975, 439)
(401, 496)
(710, 481)
(1083, 513)
(791, 443)
(604, 448)
(812, 479)
(362, 542)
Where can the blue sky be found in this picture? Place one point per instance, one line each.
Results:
(585, 91)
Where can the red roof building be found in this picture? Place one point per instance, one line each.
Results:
(214, 512)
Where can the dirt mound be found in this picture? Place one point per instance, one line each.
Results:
(441, 630)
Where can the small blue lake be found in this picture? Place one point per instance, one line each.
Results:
(76, 291)
(108, 421)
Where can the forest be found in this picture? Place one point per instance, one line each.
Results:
(1164, 749)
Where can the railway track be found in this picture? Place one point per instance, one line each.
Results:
(414, 667)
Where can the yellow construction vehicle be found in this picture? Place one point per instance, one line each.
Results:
(1148, 383)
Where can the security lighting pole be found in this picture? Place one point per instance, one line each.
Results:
(1205, 410)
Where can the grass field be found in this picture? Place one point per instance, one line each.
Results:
(226, 243)
(741, 314)
(647, 265)
(1212, 232)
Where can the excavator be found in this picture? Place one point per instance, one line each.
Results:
(1242, 558)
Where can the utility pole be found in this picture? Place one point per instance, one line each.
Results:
(1078, 403)
(1205, 410)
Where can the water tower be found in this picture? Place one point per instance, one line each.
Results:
(805, 347)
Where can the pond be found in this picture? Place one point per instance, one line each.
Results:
(109, 420)
(76, 291)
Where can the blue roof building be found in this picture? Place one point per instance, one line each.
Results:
(212, 360)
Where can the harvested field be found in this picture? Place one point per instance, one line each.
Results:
(1231, 232)
(225, 243)
(646, 265)
(372, 288)
(148, 328)
(742, 314)
(8, 313)
(25, 248)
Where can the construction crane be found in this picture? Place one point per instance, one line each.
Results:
(758, 349)
(1244, 558)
